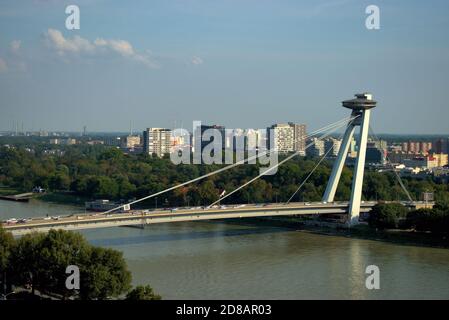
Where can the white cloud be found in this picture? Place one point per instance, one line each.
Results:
(56, 40)
(197, 60)
(79, 45)
(3, 66)
(15, 46)
(120, 46)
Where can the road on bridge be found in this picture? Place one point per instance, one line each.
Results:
(137, 217)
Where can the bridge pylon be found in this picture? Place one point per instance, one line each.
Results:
(361, 109)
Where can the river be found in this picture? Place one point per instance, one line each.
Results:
(222, 260)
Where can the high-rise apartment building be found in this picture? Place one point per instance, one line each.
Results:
(333, 146)
(415, 147)
(352, 148)
(204, 136)
(441, 146)
(283, 138)
(157, 141)
(299, 136)
(206, 141)
(288, 137)
(252, 139)
(425, 147)
(317, 148)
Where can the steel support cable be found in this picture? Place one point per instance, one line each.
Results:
(328, 127)
(313, 170)
(273, 167)
(401, 183)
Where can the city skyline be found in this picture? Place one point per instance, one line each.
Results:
(242, 65)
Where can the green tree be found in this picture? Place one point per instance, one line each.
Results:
(434, 220)
(104, 275)
(24, 263)
(387, 216)
(7, 244)
(59, 181)
(142, 293)
(59, 249)
(208, 192)
(40, 261)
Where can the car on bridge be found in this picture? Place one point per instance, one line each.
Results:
(11, 221)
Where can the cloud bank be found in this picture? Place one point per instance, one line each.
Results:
(81, 46)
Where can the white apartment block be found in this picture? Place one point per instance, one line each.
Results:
(157, 141)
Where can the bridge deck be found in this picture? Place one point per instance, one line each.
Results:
(137, 217)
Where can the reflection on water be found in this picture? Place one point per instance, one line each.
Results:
(219, 260)
(224, 261)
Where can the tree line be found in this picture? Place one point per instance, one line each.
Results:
(106, 172)
(396, 216)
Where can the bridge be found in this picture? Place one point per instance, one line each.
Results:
(361, 108)
(140, 217)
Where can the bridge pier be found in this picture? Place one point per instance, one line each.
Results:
(361, 109)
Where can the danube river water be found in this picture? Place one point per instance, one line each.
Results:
(222, 260)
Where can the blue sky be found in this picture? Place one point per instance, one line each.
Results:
(243, 64)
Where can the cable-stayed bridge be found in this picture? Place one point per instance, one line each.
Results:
(142, 217)
(360, 116)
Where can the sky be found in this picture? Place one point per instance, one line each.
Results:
(238, 63)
